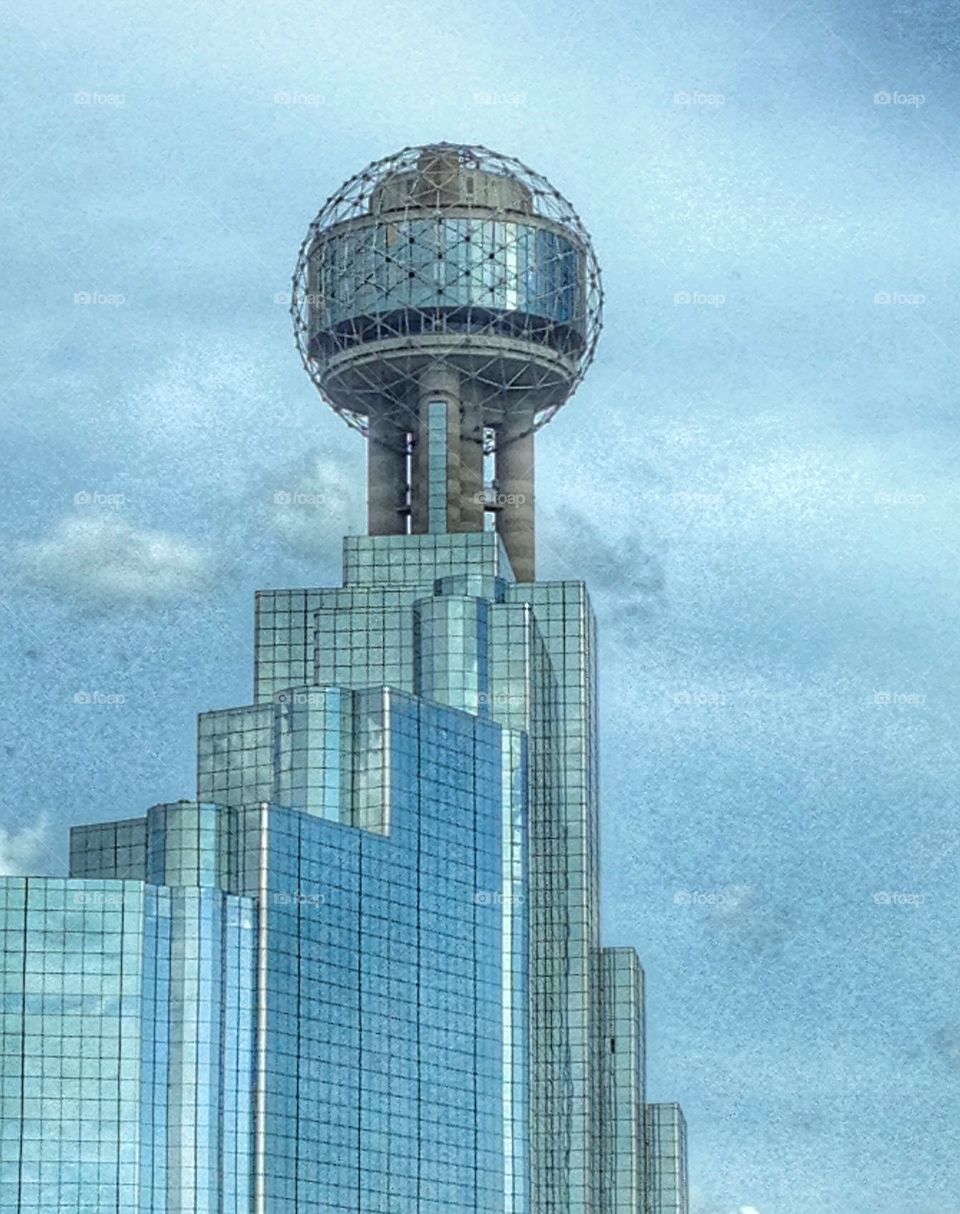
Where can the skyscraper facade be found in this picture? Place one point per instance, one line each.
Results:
(362, 970)
(666, 1159)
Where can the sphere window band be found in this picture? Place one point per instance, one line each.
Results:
(377, 280)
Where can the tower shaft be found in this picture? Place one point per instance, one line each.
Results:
(441, 486)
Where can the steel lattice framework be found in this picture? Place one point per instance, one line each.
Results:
(452, 257)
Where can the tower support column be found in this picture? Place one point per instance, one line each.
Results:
(515, 490)
(471, 462)
(386, 474)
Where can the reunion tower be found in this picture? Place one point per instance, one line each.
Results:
(447, 302)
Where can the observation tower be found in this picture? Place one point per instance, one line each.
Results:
(446, 303)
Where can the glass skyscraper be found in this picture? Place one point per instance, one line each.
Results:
(666, 1155)
(362, 970)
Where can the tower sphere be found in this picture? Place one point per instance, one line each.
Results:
(446, 264)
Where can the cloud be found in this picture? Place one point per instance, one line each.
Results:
(22, 851)
(741, 917)
(624, 577)
(700, 1203)
(102, 558)
(313, 504)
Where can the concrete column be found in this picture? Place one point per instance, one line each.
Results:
(435, 493)
(514, 464)
(386, 474)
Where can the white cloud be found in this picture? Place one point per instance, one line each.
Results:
(701, 1203)
(736, 900)
(104, 558)
(22, 851)
(313, 504)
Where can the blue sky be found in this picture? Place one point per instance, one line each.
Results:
(758, 479)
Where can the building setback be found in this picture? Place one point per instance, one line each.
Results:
(362, 970)
(666, 1159)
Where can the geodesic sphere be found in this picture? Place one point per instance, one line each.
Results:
(447, 257)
